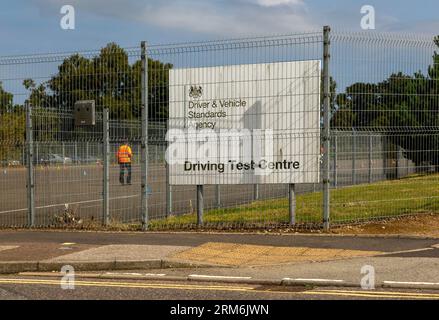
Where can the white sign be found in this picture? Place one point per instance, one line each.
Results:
(245, 124)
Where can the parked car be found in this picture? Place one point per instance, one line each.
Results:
(14, 163)
(53, 158)
(10, 163)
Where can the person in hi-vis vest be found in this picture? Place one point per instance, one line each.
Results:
(124, 155)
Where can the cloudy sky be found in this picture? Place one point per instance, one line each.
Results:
(28, 26)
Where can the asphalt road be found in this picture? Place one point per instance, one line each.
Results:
(20, 287)
(80, 186)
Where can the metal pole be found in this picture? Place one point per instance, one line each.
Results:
(200, 205)
(30, 168)
(76, 151)
(383, 139)
(335, 162)
(292, 203)
(354, 147)
(370, 159)
(255, 192)
(218, 186)
(106, 180)
(168, 192)
(218, 195)
(326, 129)
(156, 153)
(144, 141)
(37, 153)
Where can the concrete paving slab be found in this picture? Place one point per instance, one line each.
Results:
(121, 253)
(415, 270)
(230, 254)
(38, 251)
(3, 248)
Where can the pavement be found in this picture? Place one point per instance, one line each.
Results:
(252, 259)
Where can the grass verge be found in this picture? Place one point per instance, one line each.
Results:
(386, 199)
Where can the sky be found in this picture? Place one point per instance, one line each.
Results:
(33, 26)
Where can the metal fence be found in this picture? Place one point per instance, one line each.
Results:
(379, 160)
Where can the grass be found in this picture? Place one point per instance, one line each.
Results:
(411, 195)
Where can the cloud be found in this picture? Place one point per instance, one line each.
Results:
(219, 18)
(426, 27)
(273, 3)
(204, 18)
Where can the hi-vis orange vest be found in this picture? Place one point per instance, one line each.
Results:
(124, 154)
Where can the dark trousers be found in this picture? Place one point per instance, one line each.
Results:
(124, 166)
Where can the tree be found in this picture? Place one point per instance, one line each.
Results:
(112, 82)
(46, 122)
(12, 127)
(5, 100)
(403, 107)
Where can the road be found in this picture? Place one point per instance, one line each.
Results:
(21, 287)
(408, 261)
(80, 186)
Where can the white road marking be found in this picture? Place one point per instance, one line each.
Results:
(70, 203)
(313, 280)
(414, 283)
(136, 274)
(2, 248)
(216, 277)
(407, 251)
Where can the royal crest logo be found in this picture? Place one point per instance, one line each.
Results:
(195, 91)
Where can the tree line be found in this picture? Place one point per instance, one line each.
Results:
(403, 107)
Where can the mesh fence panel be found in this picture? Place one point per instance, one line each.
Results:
(385, 126)
(384, 147)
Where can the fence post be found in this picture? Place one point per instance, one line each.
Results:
(30, 168)
(144, 141)
(106, 163)
(200, 205)
(218, 195)
(354, 148)
(326, 129)
(384, 147)
(370, 159)
(335, 162)
(218, 186)
(255, 192)
(292, 203)
(168, 192)
(76, 151)
(23, 154)
(156, 159)
(37, 153)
